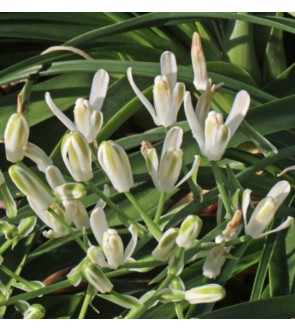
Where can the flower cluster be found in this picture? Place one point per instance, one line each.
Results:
(57, 195)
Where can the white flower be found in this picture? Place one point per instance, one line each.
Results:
(199, 63)
(76, 155)
(167, 245)
(112, 253)
(114, 161)
(96, 277)
(88, 118)
(16, 135)
(211, 134)
(189, 231)
(168, 93)
(205, 294)
(30, 186)
(265, 211)
(166, 173)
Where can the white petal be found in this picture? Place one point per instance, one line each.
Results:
(38, 156)
(279, 192)
(238, 111)
(169, 67)
(169, 170)
(245, 205)
(192, 173)
(99, 224)
(142, 97)
(261, 217)
(204, 104)
(288, 169)
(152, 164)
(214, 262)
(287, 223)
(162, 92)
(96, 257)
(173, 139)
(58, 113)
(196, 128)
(96, 122)
(81, 218)
(54, 177)
(99, 89)
(132, 244)
(177, 100)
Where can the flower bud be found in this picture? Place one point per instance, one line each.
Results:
(205, 294)
(167, 245)
(35, 311)
(16, 135)
(76, 155)
(114, 161)
(96, 278)
(8, 230)
(30, 186)
(70, 191)
(189, 231)
(199, 63)
(26, 225)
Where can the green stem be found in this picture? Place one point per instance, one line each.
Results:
(41, 291)
(69, 229)
(5, 246)
(87, 300)
(221, 188)
(18, 278)
(112, 205)
(152, 227)
(160, 208)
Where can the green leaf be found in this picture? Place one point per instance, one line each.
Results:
(281, 307)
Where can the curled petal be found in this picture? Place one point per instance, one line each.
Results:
(38, 156)
(132, 244)
(142, 97)
(58, 113)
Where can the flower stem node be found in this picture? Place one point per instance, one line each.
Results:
(16, 135)
(167, 245)
(114, 161)
(265, 211)
(30, 186)
(76, 155)
(205, 294)
(189, 231)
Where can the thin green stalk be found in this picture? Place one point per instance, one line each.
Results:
(160, 208)
(153, 228)
(87, 300)
(18, 278)
(113, 206)
(262, 269)
(39, 292)
(5, 246)
(69, 229)
(221, 188)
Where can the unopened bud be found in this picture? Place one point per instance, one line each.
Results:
(205, 294)
(167, 245)
(96, 278)
(189, 231)
(16, 135)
